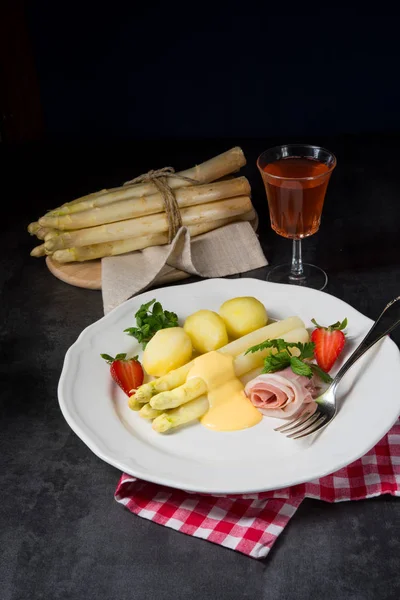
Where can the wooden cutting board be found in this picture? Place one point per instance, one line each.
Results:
(85, 274)
(88, 274)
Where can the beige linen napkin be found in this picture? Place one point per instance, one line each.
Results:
(225, 251)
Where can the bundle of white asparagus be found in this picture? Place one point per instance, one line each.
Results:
(171, 400)
(132, 217)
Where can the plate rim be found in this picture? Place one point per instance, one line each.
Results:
(101, 451)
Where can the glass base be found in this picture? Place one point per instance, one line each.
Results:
(312, 277)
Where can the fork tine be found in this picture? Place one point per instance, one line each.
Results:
(313, 429)
(296, 422)
(290, 427)
(304, 425)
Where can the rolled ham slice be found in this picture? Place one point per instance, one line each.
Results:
(282, 395)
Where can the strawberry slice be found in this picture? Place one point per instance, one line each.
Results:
(329, 342)
(126, 372)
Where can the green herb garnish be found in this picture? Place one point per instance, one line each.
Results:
(326, 378)
(111, 359)
(117, 358)
(150, 321)
(283, 358)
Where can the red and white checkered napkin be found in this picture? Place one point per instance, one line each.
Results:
(251, 523)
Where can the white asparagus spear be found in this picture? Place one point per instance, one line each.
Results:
(147, 412)
(211, 170)
(148, 205)
(44, 232)
(83, 253)
(191, 389)
(51, 233)
(135, 403)
(182, 415)
(150, 224)
(244, 363)
(268, 332)
(168, 421)
(247, 362)
(38, 251)
(33, 227)
(250, 375)
(177, 377)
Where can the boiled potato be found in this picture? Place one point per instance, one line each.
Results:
(206, 330)
(167, 350)
(243, 315)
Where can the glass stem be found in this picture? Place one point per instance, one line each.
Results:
(296, 271)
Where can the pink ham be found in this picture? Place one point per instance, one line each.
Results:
(282, 394)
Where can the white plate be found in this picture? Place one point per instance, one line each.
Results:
(257, 459)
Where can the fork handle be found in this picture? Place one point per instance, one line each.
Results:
(388, 320)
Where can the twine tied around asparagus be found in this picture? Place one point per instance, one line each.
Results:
(160, 179)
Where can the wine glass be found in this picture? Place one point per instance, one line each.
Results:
(296, 177)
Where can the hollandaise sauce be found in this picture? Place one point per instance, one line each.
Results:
(230, 409)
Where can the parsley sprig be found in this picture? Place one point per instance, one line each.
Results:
(284, 358)
(150, 321)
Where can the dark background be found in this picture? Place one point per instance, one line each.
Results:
(129, 70)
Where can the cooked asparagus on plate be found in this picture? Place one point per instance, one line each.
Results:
(227, 386)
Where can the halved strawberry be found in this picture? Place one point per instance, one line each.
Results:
(329, 342)
(126, 372)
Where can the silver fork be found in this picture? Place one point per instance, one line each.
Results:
(309, 422)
